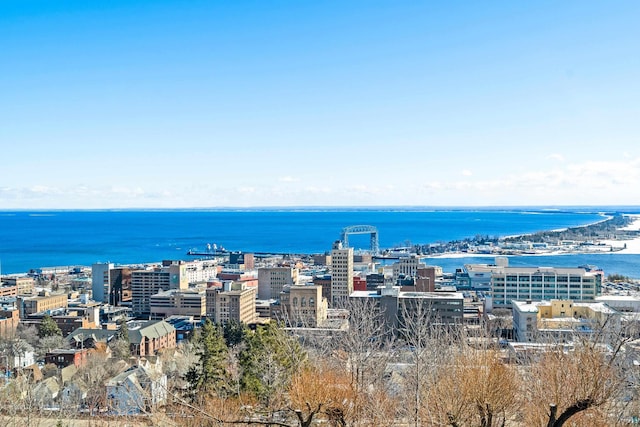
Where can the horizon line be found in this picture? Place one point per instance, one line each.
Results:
(332, 207)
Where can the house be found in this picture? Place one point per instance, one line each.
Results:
(137, 390)
(16, 354)
(67, 357)
(46, 392)
(90, 338)
(74, 393)
(33, 373)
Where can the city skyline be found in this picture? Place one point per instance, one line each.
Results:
(166, 104)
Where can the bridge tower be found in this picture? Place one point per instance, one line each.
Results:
(361, 229)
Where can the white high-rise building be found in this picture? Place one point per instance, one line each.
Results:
(341, 273)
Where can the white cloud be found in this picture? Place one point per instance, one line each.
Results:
(247, 190)
(431, 186)
(127, 191)
(556, 157)
(317, 190)
(41, 189)
(288, 179)
(467, 172)
(592, 182)
(362, 189)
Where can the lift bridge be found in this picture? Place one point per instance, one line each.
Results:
(361, 229)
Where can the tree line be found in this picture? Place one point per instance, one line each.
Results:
(419, 375)
(422, 373)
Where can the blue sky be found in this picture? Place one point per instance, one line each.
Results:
(118, 104)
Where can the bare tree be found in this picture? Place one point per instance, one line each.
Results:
(176, 363)
(425, 344)
(581, 381)
(475, 388)
(98, 369)
(319, 392)
(364, 350)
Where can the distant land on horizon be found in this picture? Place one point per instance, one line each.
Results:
(536, 208)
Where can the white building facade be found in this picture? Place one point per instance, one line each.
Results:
(543, 283)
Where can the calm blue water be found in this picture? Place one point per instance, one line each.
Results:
(627, 265)
(35, 239)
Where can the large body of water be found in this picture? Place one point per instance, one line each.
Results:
(30, 240)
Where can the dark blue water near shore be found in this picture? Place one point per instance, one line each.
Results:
(625, 264)
(34, 239)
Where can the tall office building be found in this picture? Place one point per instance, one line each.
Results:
(341, 273)
(145, 283)
(272, 280)
(235, 304)
(119, 289)
(100, 279)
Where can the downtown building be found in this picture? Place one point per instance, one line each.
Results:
(302, 306)
(397, 307)
(406, 268)
(114, 285)
(146, 283)
(558, 320)
(341, 273)
(110, 284)
(232, 302)
(177, 302)
(100, 280)
(272, 280)
(540, 284)
(14, 286)
(41, 304)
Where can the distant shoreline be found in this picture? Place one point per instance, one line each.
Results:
(605, 218)
(606, 246)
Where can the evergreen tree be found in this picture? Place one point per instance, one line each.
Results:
(268, 362)
(234, 332)
(120, 344)
(123, 332)
(210, 374)
(48, 327)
